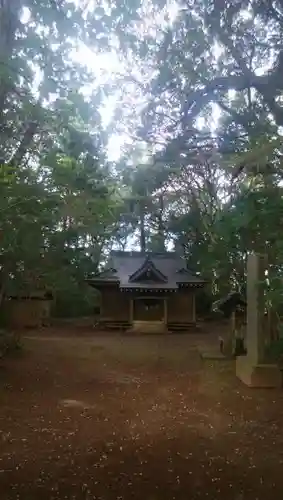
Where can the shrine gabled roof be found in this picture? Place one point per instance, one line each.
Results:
(165, 270)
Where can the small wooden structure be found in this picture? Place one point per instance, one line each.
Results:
(231, 303)
(27, 311)
(232, 306)
(147, 292)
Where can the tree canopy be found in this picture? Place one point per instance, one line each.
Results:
(192, 91)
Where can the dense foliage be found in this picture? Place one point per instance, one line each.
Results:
(198, 97)
(59, 204)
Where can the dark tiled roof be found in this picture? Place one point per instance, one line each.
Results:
(124, 267)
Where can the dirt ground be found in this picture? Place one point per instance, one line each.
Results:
(134, 418)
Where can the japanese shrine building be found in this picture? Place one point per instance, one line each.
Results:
(147, 292)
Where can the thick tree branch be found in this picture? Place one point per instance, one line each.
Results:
(238, 117)
(24, 144)
(211, 92)
(268, 86)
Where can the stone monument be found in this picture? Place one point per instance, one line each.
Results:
(252, 368)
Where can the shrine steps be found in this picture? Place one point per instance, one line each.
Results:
(118, 325)
(175, 327)
(148, 327)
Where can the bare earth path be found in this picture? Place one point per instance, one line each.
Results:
(134, 418)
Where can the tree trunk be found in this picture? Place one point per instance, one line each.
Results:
(25, 143)
(142, 230)
(9, 22)
(160, 226)
(2, 294)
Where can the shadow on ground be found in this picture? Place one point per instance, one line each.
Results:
(134, 418)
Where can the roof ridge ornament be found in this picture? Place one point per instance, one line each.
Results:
(186, 270)
(147, 267)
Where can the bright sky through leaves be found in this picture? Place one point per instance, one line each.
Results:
(111, 67)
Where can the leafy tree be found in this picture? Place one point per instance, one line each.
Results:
(58, 208)
(201, 87)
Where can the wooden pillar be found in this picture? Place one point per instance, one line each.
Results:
(165, 312)
(101, 312)
(228, 344)
(131, 310)
(194, 307)
(272, 324)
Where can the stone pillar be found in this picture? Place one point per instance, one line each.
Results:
(251, 368)
(256, 266)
